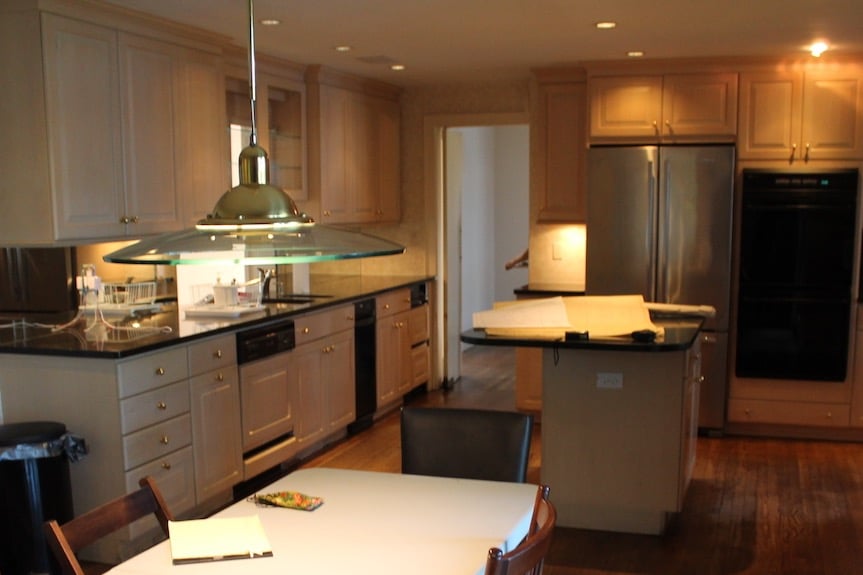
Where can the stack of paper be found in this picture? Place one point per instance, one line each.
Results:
(551, 318)
(218, 538)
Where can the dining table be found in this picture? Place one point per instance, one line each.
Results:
(369, 522)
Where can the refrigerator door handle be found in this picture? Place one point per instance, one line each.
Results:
(664, 241)
(651, 229)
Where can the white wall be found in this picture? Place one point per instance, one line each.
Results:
(512, 206)
(494, 214)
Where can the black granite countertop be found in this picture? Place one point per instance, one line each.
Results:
(123, 336)
(679, 333)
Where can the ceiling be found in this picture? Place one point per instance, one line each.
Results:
(453, 41)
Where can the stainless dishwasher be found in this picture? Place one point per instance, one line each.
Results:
(266, 398)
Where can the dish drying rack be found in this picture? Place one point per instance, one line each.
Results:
(128, 293)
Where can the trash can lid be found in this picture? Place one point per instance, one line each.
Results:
(30, 432)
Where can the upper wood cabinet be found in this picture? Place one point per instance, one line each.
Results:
(559, 150)
(663, 108)
(104, 127)
(354, 158)
(800, 116)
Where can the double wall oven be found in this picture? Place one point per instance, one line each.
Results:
(794, 306)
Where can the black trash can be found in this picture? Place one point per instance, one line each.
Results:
(34, 481)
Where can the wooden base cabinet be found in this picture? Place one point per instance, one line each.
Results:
(402, 346)
(801, 116)
(322, 367)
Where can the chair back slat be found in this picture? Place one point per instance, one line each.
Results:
(67, 539)
(528, 557)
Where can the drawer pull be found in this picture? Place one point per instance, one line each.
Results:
(166, 465)
(164, 440)
(386, 306)
(220, 377)
(162, 405)
(160, 371)
(218, 354)
(306, 330)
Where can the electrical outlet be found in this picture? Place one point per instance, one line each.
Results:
(609, 380)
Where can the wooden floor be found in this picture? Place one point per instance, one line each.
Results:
(755, 506)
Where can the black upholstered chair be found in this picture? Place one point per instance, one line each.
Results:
(466, 443)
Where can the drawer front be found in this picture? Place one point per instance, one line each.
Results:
(175, 475)
(154, 406)
(317, 325)
(393, 302)
(156, 441)
(215, 353)
(152, 370)
(789, 413)
(418, 323)
(420, 364)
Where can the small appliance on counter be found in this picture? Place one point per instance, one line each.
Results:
(37, 280)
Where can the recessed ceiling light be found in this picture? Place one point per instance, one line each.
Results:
(397, 67)
(270, 21)
(606, 25)
(635, 53)
(818, 48)
(343, 48)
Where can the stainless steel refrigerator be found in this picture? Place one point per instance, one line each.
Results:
(659, 224)
(37, 280)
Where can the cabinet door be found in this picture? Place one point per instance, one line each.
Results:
(560, 147)
(335, 165)
(306, 371)
(832, 124)
(83, 105)
(202, 175)
(386, 160)
(337, 374)
(268, 399)
(216, 432)
(149, 110)
(393, 357)
(770, 104)
(702, 105)
(625, 107)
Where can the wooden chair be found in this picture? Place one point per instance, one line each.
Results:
(67, 539)
(466, 443)
(528, 557)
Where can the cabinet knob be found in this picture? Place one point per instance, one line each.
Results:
(164, 440)
(386, 306)
(166, 465)
(327, 212)
(162, 405)
(306, 330)
(793, 153)
(701, 379)
(124, 220)
(160, 371)
(220, 377)
(133, 219)
(829, 415)
(806, 154)
(218, 354)
(656, 127)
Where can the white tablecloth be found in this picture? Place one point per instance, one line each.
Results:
(371, 522)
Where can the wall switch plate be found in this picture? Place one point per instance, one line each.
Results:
(609, 380)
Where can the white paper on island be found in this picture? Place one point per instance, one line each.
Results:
(551, 318)
(217, 539)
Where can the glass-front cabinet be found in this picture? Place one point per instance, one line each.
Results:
(280, 104)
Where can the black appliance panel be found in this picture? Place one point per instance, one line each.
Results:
(365, 360)
(796, 265)
(37, 280)
(266, 340)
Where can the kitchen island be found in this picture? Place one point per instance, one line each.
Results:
(619, 422)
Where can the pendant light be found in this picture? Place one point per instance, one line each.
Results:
(254, 223)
